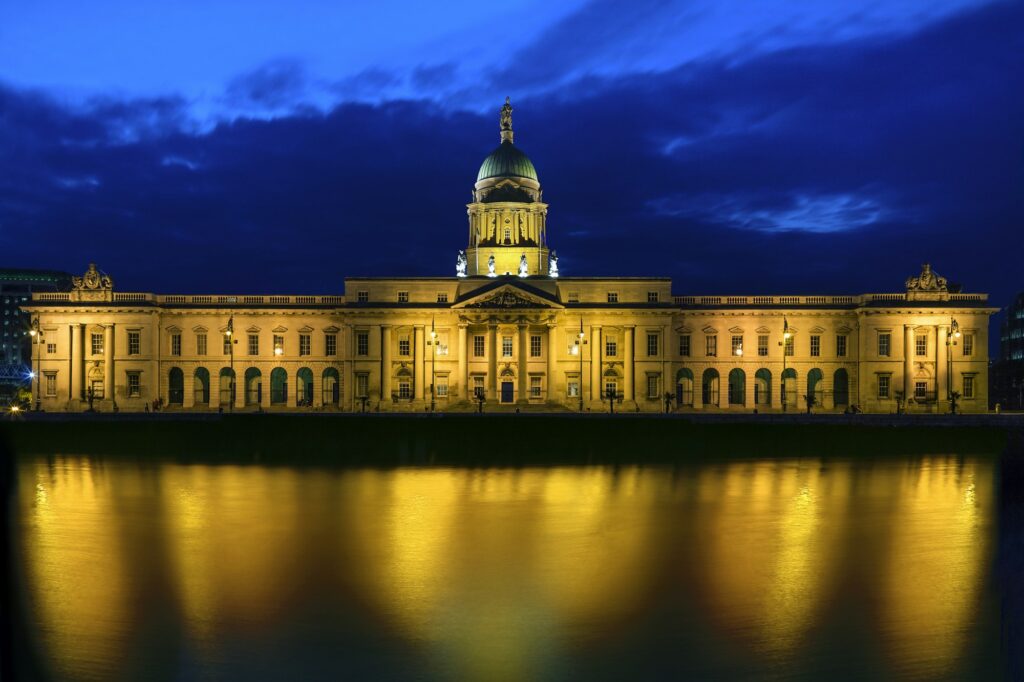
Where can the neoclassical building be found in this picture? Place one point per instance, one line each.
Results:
(508, 330)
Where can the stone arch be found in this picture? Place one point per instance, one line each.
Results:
(763, 388)
(278, 386)
(737, 387)
(709, 387)
(175, 386)
(227, 386)
(816, 387)
(841, 388)
(201, 386)
(684, 388)
(331, 387)
(253, 386)
(304, 387)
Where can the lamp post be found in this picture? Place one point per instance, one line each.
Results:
(231, 362)
(37, 338)
(432, 345)
(954, 333)
(786, 336)
(579, 352)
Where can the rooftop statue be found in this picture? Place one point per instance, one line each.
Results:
(506, 115)
(460, 264)
(553, 264)
(928, 280)
(524, 267)
(490, 267)
(92, 280)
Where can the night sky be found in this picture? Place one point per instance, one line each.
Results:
(736, 146)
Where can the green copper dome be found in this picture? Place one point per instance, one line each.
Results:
(507, 161)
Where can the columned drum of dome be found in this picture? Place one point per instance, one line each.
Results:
(507, 219)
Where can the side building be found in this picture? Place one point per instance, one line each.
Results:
(1008, 370)
(17, 343)
(508, 329)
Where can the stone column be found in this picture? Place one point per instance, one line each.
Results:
(908, 363)
(492, 362)
(941, 363)
(108, 364)
(240, 387)
(385, 363)
(595, 362)
(698, 388)
(418, 353)
(523, 332)
(189, 385)
(75, 385)
(776, 388)
(155, 382)
(627, 362)
(291, 384)
(552, 391)
(215, 388)
(463, 386)
(318, 387)
(265, 385)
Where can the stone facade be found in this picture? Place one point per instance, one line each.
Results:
(515, 334)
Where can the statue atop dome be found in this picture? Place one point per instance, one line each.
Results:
(506, 121)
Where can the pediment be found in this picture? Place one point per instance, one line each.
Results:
(332, 329)
(279, 329)
(253, 329)
(305, 330)
(763, 330)
(199, 329)
(684, 330)
(844, 329)
(709, 330)
(817, 330)
(507, 296)
(173, 329)
(736, 330)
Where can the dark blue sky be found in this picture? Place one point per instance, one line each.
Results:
(738, 147)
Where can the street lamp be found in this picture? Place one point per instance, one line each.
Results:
(786, 336)
(579, 351)
(954, 333)
(432, 345)
(231, 350)
(37, 338)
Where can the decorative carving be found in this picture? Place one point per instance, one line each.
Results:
(92, 280)
(504, 299)
(506, 115)
(928, 280)
(524, 268)
(553, 264)
(460, 264)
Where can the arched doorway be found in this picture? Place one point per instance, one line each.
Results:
(789, 392)
(253, 386)
(227, 386)
(841, 388)
(201, 386)
(304, 387)
(175, 386)
(508, 386)
(816, 387)
(684, 388)
(278, 386)
(612, 381)
(737, 387)
(762, 388)
(331, 387)
(709, 387)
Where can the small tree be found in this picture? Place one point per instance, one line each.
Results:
(809, 398)
(668, 402)
(953, 398)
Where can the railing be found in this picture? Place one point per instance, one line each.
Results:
(50, 296)
(250, 300)
(806, 300)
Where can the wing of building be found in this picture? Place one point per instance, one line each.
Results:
(507, 329)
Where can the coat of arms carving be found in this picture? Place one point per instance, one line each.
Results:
(504, 299)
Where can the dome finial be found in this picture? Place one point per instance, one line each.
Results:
(506, 121)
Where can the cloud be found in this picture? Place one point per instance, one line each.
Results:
(280, 83)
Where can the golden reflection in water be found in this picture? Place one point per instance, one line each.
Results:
(938, 548)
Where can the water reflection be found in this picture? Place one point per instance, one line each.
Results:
(242, 572)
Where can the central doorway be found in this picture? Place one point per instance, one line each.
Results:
(507, 391)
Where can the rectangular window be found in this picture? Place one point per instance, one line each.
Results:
(652, 296)
(362, 385)
(611, 348)
(920, 390)
(278, 345)
(97, 344)
(478, 347)
(200, 344)
(968, 382)
(652, 345)
(506, 346)
(572, 386)
(134, 342)
(478, 387)
(330, 344)
(362, 296)
(574, 297)
(968, 345)
(535, 387)
(815, 345)
(134, 384)
(362, 344)
(403, 346)
(737, 345)
(684, 345)
(762, 345)
(227, 345)
(711, 346)
(883, 386)
(613, 297)
(51, 348)
(403, 296)
(175, 344)
(304, 344)
(884, 344)
(442, 297)
(535, 346)
(441, 387)
(921, 345)
(652, 386)
(841, 345)
(254, 344)
(404, 389)
(789, 346)
(611, 388)
(51, 384)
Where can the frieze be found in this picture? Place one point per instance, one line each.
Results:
(505, 299)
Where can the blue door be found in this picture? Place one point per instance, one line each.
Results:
(507, 391)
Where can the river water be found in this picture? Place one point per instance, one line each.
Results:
(769, 569)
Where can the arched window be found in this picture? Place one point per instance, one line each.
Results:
(684, 388)
(332, 387)
(176, 387)
(709, 387)
(789, 392)
(201, 383)
(841, 388)
(763, 388)
(815, 387)
(227, 386)
(737, 387)
(304, 387)
(508, 235)
(253, 386)
(278, 386)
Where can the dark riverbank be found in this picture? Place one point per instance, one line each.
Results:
(506, 439)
